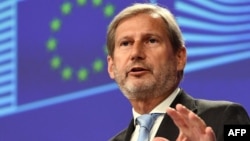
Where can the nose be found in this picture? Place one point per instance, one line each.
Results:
(137, 52)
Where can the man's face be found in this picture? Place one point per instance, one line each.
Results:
(144, 64)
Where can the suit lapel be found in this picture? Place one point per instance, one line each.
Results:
(167, 127)
(130, 130)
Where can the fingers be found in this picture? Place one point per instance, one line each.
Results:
(193, 120)
(191, 126)
(178, 118)
(210, 133)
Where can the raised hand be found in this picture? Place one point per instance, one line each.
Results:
(191, 127)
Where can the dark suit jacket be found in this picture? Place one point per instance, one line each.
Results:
(215, 114)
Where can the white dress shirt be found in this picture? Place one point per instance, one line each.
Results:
(161, 108)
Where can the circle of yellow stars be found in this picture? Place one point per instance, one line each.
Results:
(52, 43)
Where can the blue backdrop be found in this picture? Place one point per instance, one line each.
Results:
(54, 83)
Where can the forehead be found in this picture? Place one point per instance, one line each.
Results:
(141, 22)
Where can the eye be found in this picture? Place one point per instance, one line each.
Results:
(152, 40)
(125, 43)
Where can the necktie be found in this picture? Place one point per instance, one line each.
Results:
(146, 122)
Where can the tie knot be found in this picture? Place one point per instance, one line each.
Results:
(147, 120)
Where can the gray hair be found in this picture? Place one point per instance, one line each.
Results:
(172, 29)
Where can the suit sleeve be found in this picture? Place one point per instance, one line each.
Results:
(233, 114)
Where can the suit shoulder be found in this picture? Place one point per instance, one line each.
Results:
(233, 112)
(119, 136)
(217, 104)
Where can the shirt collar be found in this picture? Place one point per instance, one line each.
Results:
(162, 107)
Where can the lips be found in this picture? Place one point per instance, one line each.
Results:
(136, 69)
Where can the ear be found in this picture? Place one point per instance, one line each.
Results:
(110, 67)
(181, 58)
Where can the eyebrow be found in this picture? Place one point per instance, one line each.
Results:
(143, 34)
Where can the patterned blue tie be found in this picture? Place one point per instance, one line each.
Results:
(146, 122)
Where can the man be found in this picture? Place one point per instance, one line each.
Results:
(147, 57)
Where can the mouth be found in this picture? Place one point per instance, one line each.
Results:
(137, 71)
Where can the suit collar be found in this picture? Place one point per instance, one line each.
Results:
(185, 100)
(130, 130)
(167, 127)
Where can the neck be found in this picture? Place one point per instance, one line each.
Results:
(144, 106)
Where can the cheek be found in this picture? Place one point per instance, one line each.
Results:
(118, 68)
(119, 62)
(169, 63)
